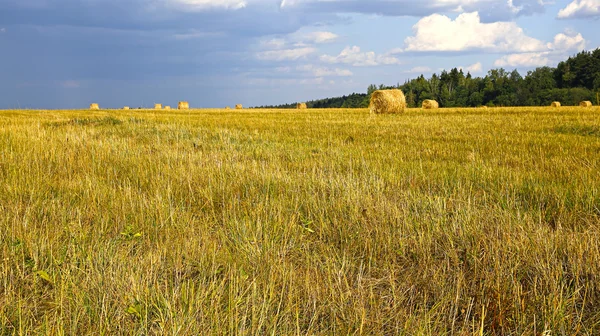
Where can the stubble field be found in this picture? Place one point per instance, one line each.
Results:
(286, 222)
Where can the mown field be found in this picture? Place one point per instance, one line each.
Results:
(285, 222)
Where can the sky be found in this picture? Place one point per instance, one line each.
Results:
(65, 54)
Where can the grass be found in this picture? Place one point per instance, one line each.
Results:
(314, 222)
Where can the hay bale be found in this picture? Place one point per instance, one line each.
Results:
(158, 106)
(94, 106)
(167, 107)
(239, 107)
(301, 106)
(484, 107)
(227, 108)
(125, 107)
(183, 105)
(586, 103)
(387, 101)
(555, 104)
(430, 104)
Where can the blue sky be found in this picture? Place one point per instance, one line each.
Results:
(213, 53)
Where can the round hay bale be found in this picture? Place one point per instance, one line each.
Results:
(167, 107)
(183, 105)
(387, 101)
(227, 108)
(125, 107)
(555, 104)
(586, 103)
(430, 104)
(94, 106)
(484, 107)
(301, 106)
(158, 106)
(239, 107)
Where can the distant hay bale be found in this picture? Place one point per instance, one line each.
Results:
(239, 107)
(167, 107)
(94, 106)
(227, 108)
(484, 107)
(301, 106)
(555, 104)
(158, 106)
(586, 103)
(430, 104)
(183, 105)
(125, 107)
(387, 101)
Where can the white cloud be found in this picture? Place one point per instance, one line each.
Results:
(474, 68)
(440, 33)
(580, 9)
(319, 37)
(276, 43)
(324, 72)
(200, 5)
(285, 54)
(562, 45)
(571, 42)
(419, 70)
(491, 10)
(293, 46)
(529, 60)
(355, 57)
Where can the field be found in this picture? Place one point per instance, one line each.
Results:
(315, 222)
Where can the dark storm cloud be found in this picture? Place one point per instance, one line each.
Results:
(67, 39)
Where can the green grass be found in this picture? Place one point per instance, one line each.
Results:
(316, 222)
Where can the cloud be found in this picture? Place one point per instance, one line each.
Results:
(319, 37)
(274, 43)
(572, 42)
(355, 57)
(528, 60)
(285, 54)
(202, 5)
(419, 70)
(562, 45)
(324, 72)
(2, 30)
(474, 68)
(493, 10)
(283, 69)
(580, 9)
(439, 33)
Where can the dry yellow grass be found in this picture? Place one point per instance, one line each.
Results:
(320, 222)
(430, 104)
(387, 101)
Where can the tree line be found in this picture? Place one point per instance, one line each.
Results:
(570, 82)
